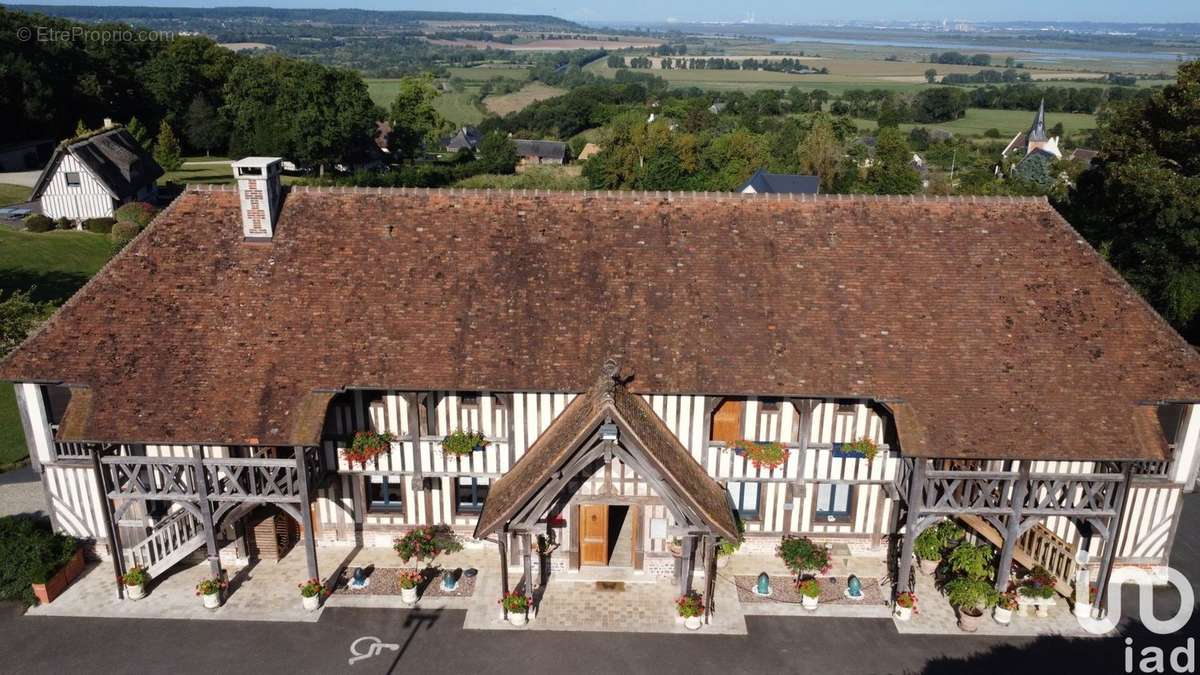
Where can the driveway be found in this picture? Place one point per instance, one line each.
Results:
(21, 492)
(23, 178)
(434, 641)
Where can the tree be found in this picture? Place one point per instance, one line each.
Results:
(19, 315)
(931, 75)
(203, 127)
(415, 122)
(1036, 171)
(498, 154)
(892, 172)
(820, 154)
(1140, 200)
(139, 131)
(166, 148)
(81, 129)
(942, 104)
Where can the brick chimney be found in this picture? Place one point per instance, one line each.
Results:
(260, 195)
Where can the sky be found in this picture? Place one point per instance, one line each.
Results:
(763, 11)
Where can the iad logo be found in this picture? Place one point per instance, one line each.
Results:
(1145, 583)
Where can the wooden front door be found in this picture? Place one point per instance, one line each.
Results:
(727, 422)
(593, 534)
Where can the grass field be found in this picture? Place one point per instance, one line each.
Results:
(1009, 122)
(13, 194)
(52, 265)
(459, 107)
(210, 171)
(534, 91)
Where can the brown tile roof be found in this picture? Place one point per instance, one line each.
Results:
(994, 325)
(652, 442)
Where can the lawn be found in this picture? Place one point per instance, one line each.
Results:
(198, 170)
(52, 265)
(459, 107)
(1009, 122)
(534, 91)
(13, 194)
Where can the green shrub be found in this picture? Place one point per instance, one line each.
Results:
(29, 553)
(803, 556)
(123, 232)
(36, 222)
(100, 225)
(64, 223)
(140, 213)
(931, 543)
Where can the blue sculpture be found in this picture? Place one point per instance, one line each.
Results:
(359, 581)
(854, 588)
(764, 584)
(450, 580)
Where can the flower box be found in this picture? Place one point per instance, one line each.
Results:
(62, 577)
(762, 455)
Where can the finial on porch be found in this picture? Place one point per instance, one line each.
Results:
(608, 378)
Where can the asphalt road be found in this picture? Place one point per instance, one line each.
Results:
(435, 642)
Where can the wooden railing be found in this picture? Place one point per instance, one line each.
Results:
(1050, 551)
(173, 538)
(259, 479)
(72, 451)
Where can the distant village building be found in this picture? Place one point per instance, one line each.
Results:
(781, 183)
(1083, 156)
(92, 175)
(1034, 141)
(467, 138)
(541, 152)
(590, 150)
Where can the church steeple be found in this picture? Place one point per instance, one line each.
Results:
(1037, 133)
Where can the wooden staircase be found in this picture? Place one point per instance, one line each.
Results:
(173, 539)
(1038, 546)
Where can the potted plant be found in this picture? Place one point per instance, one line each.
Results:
(135, 582)
(930, 544)
(517, 606)
(969, 588)
(803, 556)
(311, 592)
(426, 543)
(409, 580)
(690, 608)
(863, 447)
(1084, 610)
(1038, 589)
(728, 547)
(767, 454)
(462, 443)
(210, 591)
(675, 546)
(906, 604)
(1005, 604)
(367, 445)
(810, 592)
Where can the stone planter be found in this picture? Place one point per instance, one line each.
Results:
(809, 603)
(518, 618)
(967, 622)
(1041, 605)
(310, 603)
(903, 613)
(408, 595)
(1002, 616)
(692, 623)
(212, 600)
(929, 567)
(135, 592)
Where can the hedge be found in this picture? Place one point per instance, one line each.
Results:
(30, 552)
(124, 231)
(100, 225)
(64, 223)
(36, 222)
(140, 213)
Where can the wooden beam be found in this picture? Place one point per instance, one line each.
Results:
(689, 554)
(501, 541)
(527, 555)
(206, 520)
(916, 486)
(1110, 545)
(1013, 528)
(306, 521)
(114, 538)
(414, 436)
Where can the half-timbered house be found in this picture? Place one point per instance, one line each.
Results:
(614, 350)
(92, 175)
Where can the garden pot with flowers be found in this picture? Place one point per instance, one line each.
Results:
(863, 447)
(426, 543)
(135, 582)
(768, 455)
(690, 608)
(517, 607)
(1037, 589)
(210, 591)
(728, 547)
(906, 604)
(810, 593)
(462, 443)
(311, 592)
(409, 580)
(933, 542)
(802, 556)
(969, 585)
(1005, 604)
(367, 445)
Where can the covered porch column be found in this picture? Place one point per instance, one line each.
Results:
(916, 491)
(1113, 540)
(306, 521)
(1013, 529)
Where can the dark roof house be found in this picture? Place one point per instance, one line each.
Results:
(781, 183)
(122, 166)
(466, 138)
(541, 152)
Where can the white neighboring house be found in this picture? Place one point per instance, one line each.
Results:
(91, 176)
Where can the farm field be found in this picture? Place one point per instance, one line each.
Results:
(13, 194)
(534, 91)
(459, 107)
(1009, 122)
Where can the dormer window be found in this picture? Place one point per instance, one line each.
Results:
(72, 178)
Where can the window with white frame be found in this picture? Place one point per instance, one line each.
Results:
(469, 493)
(745, 499)
(385, 493)
(834, 501)
(72, 178)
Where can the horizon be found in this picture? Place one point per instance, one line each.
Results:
(628, 12)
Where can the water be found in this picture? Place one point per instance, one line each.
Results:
(1044, 52)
